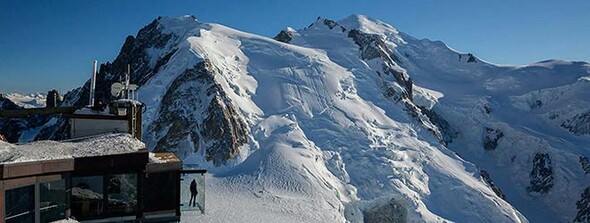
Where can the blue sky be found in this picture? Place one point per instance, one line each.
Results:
(48, 44)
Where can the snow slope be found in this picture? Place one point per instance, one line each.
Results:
(353, 120)
(326, 143)
(528, 104)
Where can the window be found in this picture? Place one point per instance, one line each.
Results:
(87, 196)
(122, 194)
(20, 204)
(161, 191)
(52, 200)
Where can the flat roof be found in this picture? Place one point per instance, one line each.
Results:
(163, 158)
(160, 162)
(101, 145)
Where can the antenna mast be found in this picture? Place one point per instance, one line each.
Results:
(92, 85)
(127, 77)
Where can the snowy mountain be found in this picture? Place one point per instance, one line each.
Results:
(36, 100)
(38, 127)
(353, 120)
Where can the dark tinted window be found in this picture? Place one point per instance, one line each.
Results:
(122, 194)
(161, 191)
(87, 196)
(20, 206)
(52, 203)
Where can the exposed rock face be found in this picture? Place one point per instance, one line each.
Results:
(373, 46)
(488, 179)
(579, 124)
(471, 58)
(135, 52)
(585, 164)
(491, 138)
(197, 111)
(541, 174)
(284, 36)
(60, 130)
(13, 129)
(7, 104)
(205, 120)
(330, 23)
(583, 205)
(446, 130)
(392, 212)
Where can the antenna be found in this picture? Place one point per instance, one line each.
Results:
(92, 85)
(116, 89)
(127, 77)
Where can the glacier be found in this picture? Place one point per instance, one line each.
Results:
(356, 121)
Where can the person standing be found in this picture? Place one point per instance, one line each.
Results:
(194, 193)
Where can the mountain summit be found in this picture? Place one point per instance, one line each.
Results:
(353, 120)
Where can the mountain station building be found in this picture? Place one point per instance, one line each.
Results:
(104, 173)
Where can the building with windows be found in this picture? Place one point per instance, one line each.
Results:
(105, 178)
(104, 173)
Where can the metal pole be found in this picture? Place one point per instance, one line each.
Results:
(127, 77)
(92, 85)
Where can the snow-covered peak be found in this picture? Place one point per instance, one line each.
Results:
(367, 25)
(178, 25)
(551, 64)
(328, 29)
(324, 24)
(187, 19)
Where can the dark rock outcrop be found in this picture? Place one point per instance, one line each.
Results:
(330, 24)
(284, 36)
(491, 138)
(373, 46)
(7, 104)
(13, 129)
(583, 207)
(542, 174)
(393, 211)
(537, 104)
(579, 124)
(196, 109)
(471, 58)
(446, 130)
(488, 179)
